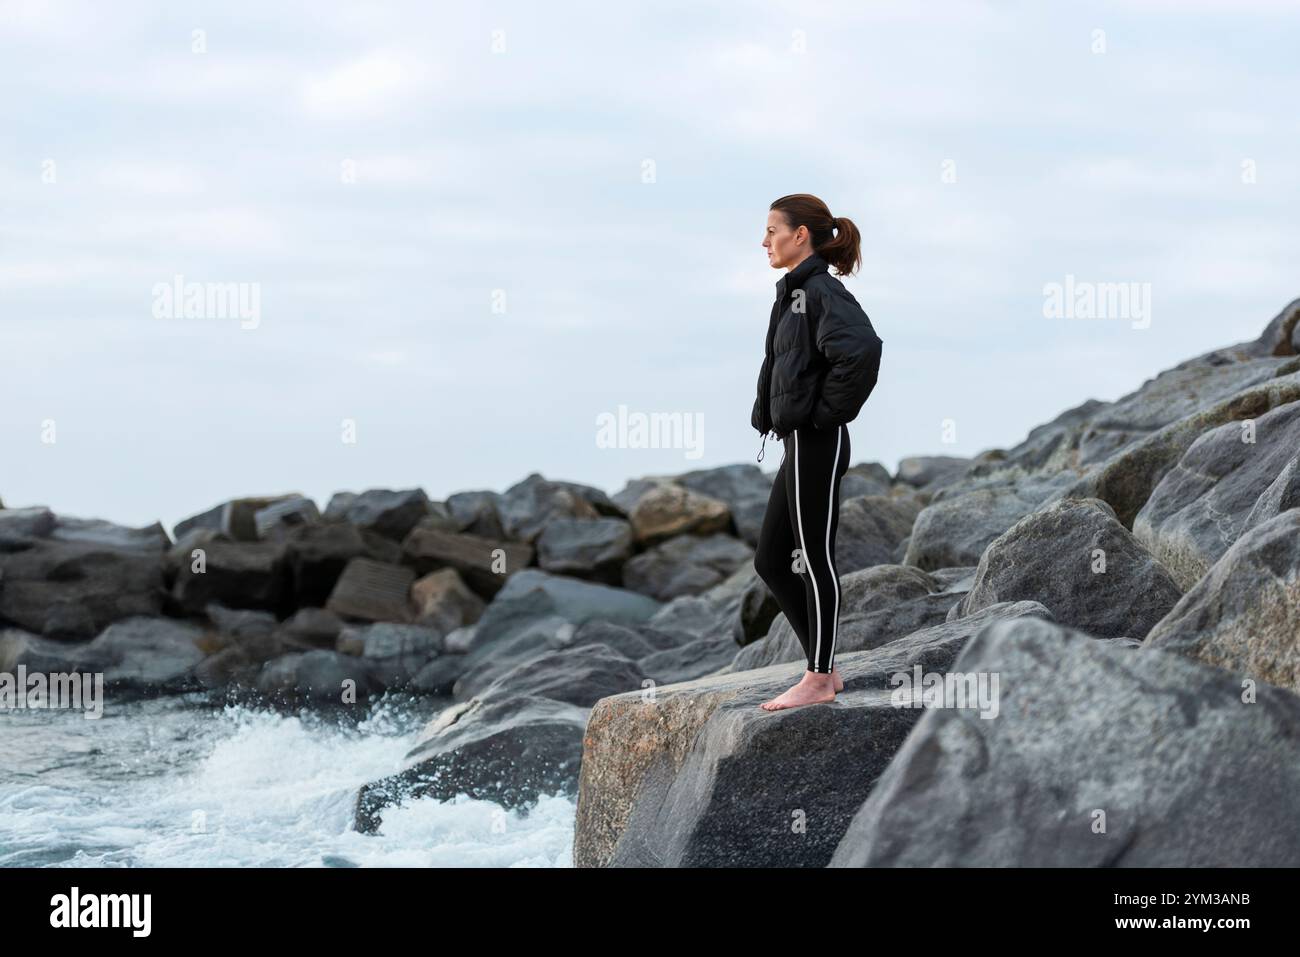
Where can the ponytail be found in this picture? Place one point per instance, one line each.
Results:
(844, 251)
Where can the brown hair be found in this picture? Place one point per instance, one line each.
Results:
(834, 238)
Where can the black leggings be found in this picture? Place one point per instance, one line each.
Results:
(802, 516)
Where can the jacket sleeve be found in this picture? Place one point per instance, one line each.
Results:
(756, 416)
(849, 343)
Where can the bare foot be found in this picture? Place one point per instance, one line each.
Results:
(839, 682)
(811, 689)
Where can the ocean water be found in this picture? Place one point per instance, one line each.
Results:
(179, 782)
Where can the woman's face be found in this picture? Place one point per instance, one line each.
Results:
(785, 246)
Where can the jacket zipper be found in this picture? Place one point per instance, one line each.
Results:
(767, 382)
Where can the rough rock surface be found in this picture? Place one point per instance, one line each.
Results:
(1244, 616)
(1210, 497)
(1077, 559)
(1098, 756)
(696, 774)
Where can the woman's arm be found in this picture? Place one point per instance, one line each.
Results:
(756, 416)
(849, 343)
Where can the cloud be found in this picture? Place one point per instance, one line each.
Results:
(1119, 175)
(379, 82)
(149, 178)
(521, 171)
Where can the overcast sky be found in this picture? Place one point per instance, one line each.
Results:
(474, 228)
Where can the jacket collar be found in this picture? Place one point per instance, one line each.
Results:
(797, 276)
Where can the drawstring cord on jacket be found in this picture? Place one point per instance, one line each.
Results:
(762, 447)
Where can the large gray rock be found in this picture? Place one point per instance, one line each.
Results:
(442, 601)
(591, 548)
(1077, 559)
(710, 613)
(18, 647)
(309, 628)
(235, 520)
(578, 675)
(955, 529)
(387, 512)
(440, 675)
(508, 750)
(932, 472)
(685, 565)
(1209, 498)
(279, 519)
(318, 677)
(533, 594)
(1127, 477)
(1051, 446)
(483, 664)
(475, 513)
(149, 540)
(316, 554)
(1244, 616)
(484, 563)
(146, 655)
(394, 653)
(702, 629)
(634, 642)
(696, 774)
(1033, 486)
(241, 622)
(956, 580)
(1098, 756)
(242, 640)
(688, 660)
(73, 590)
(870, 529)
(1088, 434)
(440, 516)
(373, 591)
(1281, 337)
(690, 636)
(528, 506)
(685, 638)
(865, 478)
(1188, 388)
(237, 574)
(744, 489)
(663, 509)
(535, 612)
(19, 526)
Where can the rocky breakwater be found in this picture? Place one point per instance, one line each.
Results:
(1130, 572)
(654, 588)
(1125, 581)
(522, 607)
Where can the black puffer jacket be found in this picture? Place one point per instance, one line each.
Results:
(822, 355)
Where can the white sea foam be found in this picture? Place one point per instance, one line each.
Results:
(170, 782)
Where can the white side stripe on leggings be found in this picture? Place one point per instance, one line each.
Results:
(830, 564)
(798, 513)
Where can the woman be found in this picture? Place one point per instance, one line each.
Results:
(821, 363)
